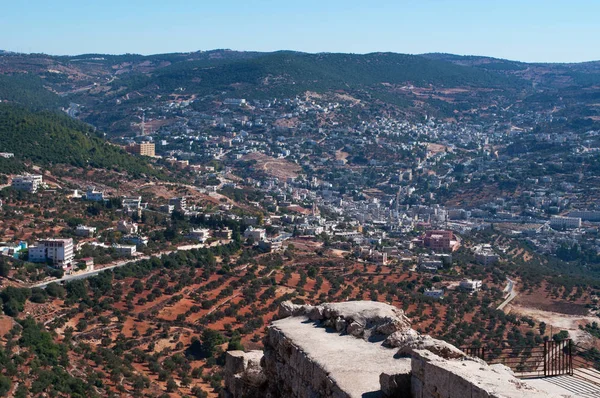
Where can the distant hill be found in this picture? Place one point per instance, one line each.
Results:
(549, 75)
(28, 90)
(292, 72)
(49, 138)
(110, 88)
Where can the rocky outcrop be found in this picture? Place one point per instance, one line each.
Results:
(358, 349)
(409, 340)
(244, 375)
(364, 319)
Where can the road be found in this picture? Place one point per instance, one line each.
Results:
(512, 293)
(84, 275)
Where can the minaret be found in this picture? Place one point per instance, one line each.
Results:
(143, 123)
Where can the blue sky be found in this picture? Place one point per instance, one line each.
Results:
(526, 30)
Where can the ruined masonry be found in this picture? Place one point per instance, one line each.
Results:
(361, 349)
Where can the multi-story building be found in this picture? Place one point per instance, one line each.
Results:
(29, 183)
(125, 250)
(143, 149)
(58, 251)
(437, 240)
(470, 285)
(93, 195)
(558, 222)
(199, 234)
(179, 204)
(133, 205)
(484, 254)
(256, 234)
(586, 215)
(128, 228)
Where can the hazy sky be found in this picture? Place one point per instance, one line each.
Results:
(526, 30)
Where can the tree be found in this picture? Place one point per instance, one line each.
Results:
(5, 385)
(171, 385)
(4, 268)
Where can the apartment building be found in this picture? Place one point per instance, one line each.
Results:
(437, 240)
(143, 149)
(125, 250)
(128, 228)
(29, 183)
(57, 251)
(470, 285)
(558, 222)
(485, 255)
(199, 234)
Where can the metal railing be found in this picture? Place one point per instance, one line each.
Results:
(586, 364)
(552, 358)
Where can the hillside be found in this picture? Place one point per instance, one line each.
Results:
(28, 90)
(48, 138)
(111, 89)
(292, 73)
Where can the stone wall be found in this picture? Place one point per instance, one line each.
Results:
(297, 375)
(361, 349)
(436, 377)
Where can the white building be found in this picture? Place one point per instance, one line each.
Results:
(199, 234)
(132, 204)
(84, 230)
(256, 234)
(125, 250)
(558, 222)
(470, 285)
(93, 195)
(484, 254)
(58, 251)
(128, 228)
(29, 183)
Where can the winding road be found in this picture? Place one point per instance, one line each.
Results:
(512, 293)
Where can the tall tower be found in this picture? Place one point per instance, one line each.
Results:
(144, 123)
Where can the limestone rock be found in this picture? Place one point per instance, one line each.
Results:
(357, 318)
(355, 329)
(409, 340)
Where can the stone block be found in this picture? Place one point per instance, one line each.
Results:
(458, 387)
(395, 385)
(437, 380)
(235, 362)
(479, 392)
(416, 388)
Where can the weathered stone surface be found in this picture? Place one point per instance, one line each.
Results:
(304, 359)
(433, 376)
(244, 376)
(408, 340)
(358, 318)
(395, 385)
(340, 324)
(355, 329)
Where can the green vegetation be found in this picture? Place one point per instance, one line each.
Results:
(28, 90)
(290, 72)
(49, 138)
(592, 329)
